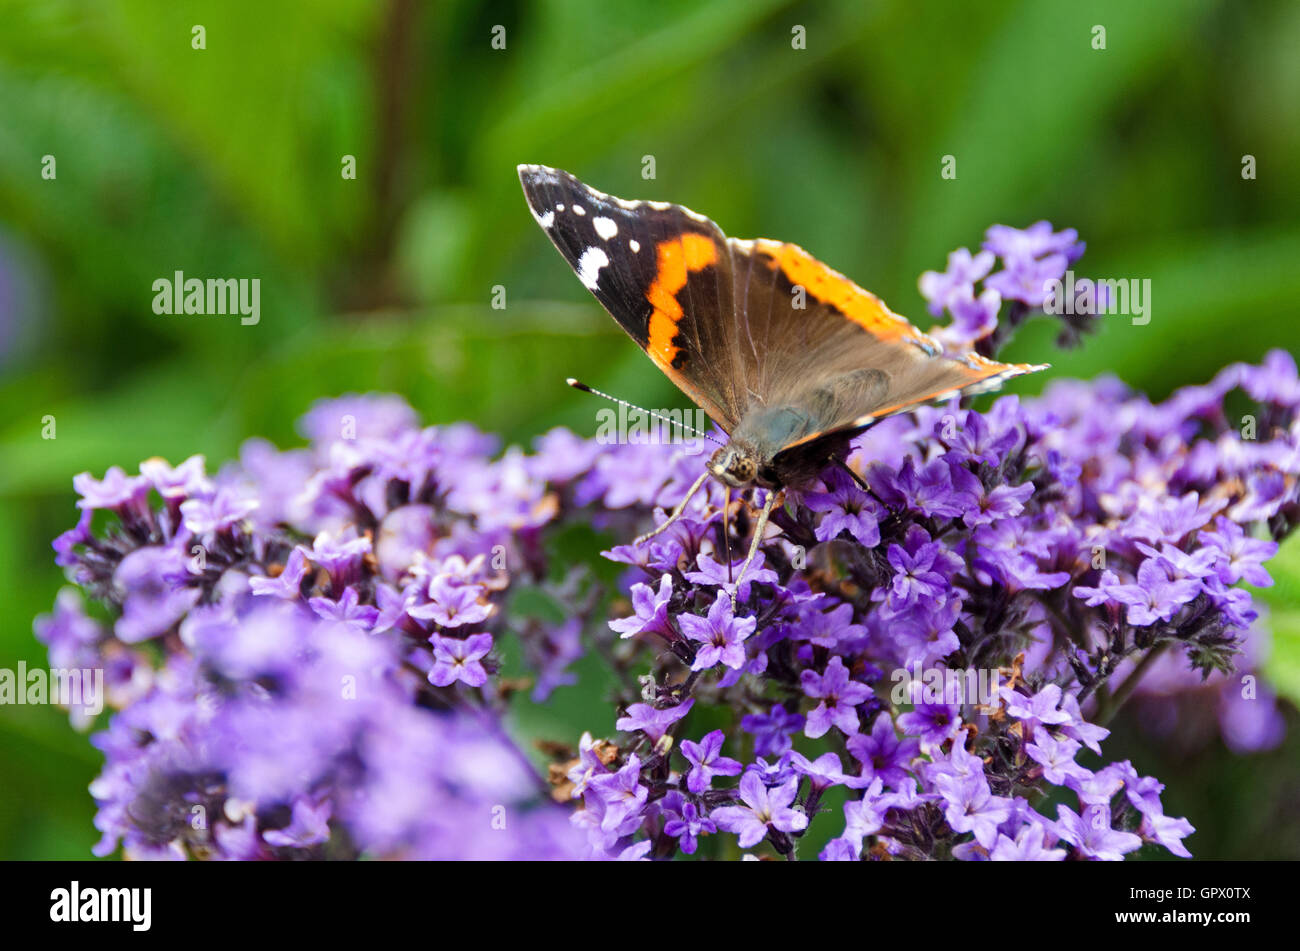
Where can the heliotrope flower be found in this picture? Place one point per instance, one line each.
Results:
(964, 269)
(839, 698)
(654, 722)
(456, 659)
(762, 809)
(1092, 834)
(707, 761)
(721, 635)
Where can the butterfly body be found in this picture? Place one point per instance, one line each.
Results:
(789, 357)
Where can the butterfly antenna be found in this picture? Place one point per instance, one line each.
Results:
(578, 385)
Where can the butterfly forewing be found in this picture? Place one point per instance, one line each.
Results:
(663, 273)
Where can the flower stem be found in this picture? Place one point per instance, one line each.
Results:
(1125, 690)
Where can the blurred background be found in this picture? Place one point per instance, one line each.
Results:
(226, 161)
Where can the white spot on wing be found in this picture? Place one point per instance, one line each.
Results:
(579, 210)
(546, 219)
(635, 245)
(605, 227)
(589, 265)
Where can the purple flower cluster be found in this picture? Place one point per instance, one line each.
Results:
(1070, 546)
(1031, 258)
(302, 646)
(303, 649)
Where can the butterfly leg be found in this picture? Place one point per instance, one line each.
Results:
(677, 512)
(759, 528)
(726, 528)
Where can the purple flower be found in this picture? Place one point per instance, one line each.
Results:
(1168, 832)
(915, 577)
(309, 826)
(882, 754)
(845, 508)
(686, 823)
(116, 490)
(964, 269)
(1035, 241)
(287, 583)
(650, 611)
(653, 722)
(187, 480)
(339, 555)
(721, 634)
(1056, 756)
(1028, 279)
(1156, 596)
(452, 605)
(865, 816)
(621, 793)
(839, 850)
(715, 573)
(220, 513)
(932, 723)
(826, 771)
(588, 765)
(153, 583)
(346, 610)
(763, 809)
(462, 660)
(707, 761)
(1091, 834)
(1244, 556)
(66, 544)
(971, 807)
(1097, 788)
(1038, 708)
(1029, 845)
(1005, 501)
(772, 730)
(839, 696)
(973, 318)
(1101, 594)
(975, 439)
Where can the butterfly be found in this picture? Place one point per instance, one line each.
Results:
(790, 358)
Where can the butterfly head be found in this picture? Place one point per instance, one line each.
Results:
(734, 465)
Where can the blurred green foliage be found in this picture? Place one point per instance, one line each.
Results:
(226, 161)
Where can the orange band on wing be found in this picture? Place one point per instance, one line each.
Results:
(678, 257)
(858, 305)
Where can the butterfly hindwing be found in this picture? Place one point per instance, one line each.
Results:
(832, 353)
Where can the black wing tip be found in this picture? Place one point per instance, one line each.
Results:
(539, 174)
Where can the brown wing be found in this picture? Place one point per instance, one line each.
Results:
(813, 341)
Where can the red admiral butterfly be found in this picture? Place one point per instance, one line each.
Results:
(790, 358)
